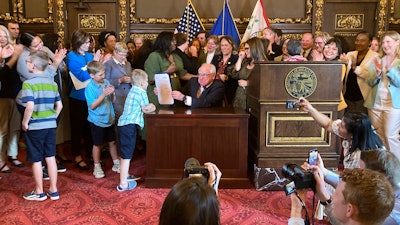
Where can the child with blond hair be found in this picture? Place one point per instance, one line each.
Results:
(132, 118)
(99, 94)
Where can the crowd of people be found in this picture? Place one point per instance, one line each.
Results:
(105, 89)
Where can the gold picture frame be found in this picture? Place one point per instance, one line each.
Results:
(11, 15)
(21, 14)
(394, 5)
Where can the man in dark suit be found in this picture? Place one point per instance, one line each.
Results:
(307, 43)
(203, 91)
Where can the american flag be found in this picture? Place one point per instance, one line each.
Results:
(190, 22)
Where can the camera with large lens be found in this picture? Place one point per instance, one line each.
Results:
(193, 168)
(302, 179)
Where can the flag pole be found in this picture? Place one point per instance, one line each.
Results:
(223, 18)
(187, 17)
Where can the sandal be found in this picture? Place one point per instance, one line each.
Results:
(15, 162)
(79, 166)
(5, 171)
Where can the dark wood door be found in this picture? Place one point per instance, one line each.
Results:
(93, 17)
(347, 18)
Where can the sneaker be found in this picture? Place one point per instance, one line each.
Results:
(131, 185)
(116, 168)
(61, 168)
(53, 195)
(98, 172)
(32, 196)
(132, 177)
(45, 175)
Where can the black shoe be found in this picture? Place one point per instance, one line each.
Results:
(61, 168)
(62, 160)
(78, 165)
(45, 174)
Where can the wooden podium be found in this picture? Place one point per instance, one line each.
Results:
(278, 135)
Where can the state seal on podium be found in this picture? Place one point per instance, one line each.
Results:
(300, 82)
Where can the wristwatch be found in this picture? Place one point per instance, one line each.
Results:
(184, 98)
(327, 201)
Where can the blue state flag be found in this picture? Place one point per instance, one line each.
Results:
(225, 25)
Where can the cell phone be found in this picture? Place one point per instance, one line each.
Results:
(290, 188)
(313, 157)
(292, 104)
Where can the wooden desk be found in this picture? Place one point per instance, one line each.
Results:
(217, 135)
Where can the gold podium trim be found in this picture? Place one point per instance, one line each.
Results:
(323, 140)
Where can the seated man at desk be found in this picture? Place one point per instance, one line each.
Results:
(202, 91)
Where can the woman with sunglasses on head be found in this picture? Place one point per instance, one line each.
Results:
(253, 52)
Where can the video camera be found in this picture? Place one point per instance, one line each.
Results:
(193, 168)
(302, 179)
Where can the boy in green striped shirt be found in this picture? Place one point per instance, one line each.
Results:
(43, 105)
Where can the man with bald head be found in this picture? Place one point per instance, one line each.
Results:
(307, 43)
(202, 91)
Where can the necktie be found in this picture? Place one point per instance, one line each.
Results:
(199, 91)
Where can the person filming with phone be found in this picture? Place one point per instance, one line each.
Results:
(355, 128)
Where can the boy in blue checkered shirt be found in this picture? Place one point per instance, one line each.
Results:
(43, 105)
(136, 104)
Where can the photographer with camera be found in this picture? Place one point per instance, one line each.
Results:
(354, 128)
(363, 197)
(194, 199)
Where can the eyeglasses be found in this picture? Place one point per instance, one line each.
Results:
(3, 36)
(205, 74)
(246, 48)
(319, 43)
(123, 54)
(330, 47)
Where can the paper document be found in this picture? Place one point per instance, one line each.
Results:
(164, 89)
(77, 83)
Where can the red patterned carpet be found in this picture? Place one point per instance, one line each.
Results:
(86, 200)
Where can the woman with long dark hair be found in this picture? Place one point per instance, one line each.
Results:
(253, 52)
(355, 128)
